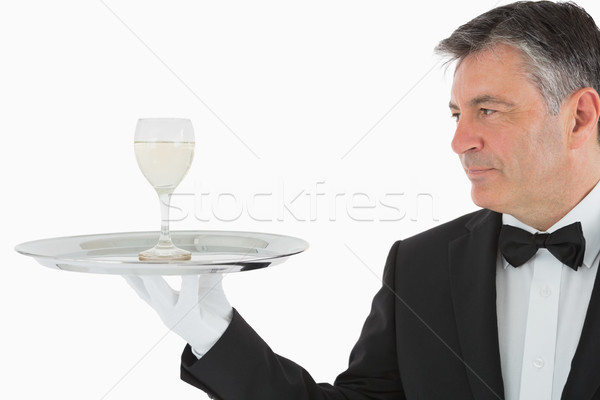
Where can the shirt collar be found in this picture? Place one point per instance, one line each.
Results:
(587, 212)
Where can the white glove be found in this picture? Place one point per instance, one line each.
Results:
(199, 312)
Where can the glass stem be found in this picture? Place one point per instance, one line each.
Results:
(165, 236)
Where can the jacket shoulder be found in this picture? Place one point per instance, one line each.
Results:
(445, 233)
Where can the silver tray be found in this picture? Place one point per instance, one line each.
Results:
(117, 253)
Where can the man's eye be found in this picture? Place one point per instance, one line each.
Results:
(487, 111)
(456, 116)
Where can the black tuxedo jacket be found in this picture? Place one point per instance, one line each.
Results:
(431, 334)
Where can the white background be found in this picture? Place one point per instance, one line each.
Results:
(282, 95)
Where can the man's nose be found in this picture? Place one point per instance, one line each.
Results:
(466, 137)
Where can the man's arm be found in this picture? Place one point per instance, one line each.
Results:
(242, 366)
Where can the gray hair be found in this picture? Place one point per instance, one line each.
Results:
(560, 43)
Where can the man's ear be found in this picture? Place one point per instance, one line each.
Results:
(585, 111)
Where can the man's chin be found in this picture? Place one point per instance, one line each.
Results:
(486, 199)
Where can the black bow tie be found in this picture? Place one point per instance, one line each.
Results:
(567, 244)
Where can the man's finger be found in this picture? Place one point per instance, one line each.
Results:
(138, 285)
(159, 290)
(210, 281)
(190, 289)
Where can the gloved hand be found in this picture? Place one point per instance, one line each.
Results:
(199, 313)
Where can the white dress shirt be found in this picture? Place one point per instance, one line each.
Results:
(541, 309)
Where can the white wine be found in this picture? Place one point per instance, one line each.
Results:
(164, 164)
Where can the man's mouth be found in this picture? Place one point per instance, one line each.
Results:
(477, 172)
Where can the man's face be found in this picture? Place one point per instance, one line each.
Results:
(512, 150)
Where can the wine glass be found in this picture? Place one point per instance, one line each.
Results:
(164, 149)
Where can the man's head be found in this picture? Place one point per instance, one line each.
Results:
(525, 95)
(560, 43)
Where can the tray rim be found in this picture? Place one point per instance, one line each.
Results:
(56, 260)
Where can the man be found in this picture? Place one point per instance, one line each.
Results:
(472, 309)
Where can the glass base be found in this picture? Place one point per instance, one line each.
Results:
(161, 253)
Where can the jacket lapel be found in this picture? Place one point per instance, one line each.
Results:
(472, 260)
(584, 377)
